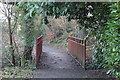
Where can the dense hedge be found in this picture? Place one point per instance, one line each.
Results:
(111, 42)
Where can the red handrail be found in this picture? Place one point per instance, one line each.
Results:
(77, 48)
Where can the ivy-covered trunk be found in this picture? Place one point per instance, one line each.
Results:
(28, 52)
(29, 38)
(28, 12)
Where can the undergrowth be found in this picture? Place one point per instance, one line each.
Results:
(15, 72)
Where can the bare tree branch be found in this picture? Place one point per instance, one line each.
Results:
(2, 11)
(5, 10)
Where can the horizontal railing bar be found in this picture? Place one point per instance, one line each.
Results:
(77, 42)
(76, 38)
(40, 37)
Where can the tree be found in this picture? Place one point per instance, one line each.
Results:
(28, 11)
(7, 11)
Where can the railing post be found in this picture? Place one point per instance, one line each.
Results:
(36, 52)
(85, 54)
(38, 49)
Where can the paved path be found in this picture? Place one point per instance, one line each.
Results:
(56, 63)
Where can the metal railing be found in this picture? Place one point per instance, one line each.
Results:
(77, 48)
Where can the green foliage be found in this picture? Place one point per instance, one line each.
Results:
(58, 42)
(112, 41)
(106, 49)
(7, 61)
(77, 11)
(31, 9)
(30, 20)
(38, 27)
(15, 72)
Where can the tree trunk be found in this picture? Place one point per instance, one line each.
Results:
(11, 41)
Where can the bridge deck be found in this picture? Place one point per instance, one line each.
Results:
(57, 63)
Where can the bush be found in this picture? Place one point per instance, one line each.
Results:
(112, 41)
